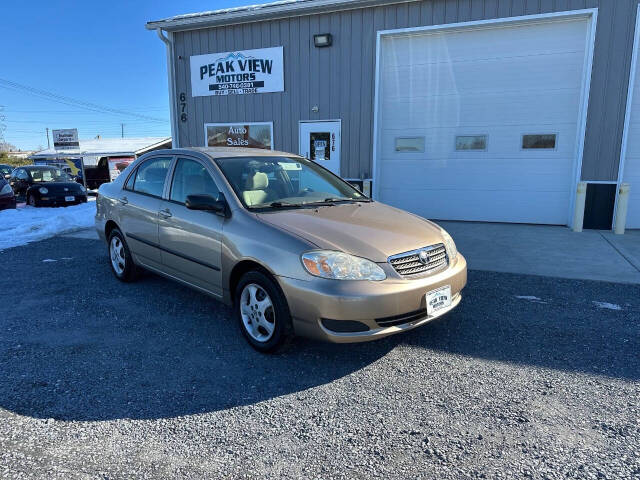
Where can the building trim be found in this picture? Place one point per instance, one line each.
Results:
(591, 13)
(627, 114)
(257, 13)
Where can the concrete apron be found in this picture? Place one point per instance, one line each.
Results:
(548, 250)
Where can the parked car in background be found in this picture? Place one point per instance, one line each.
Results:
(66, 169)
(294, 248)
(7, 198)
(5, 171)
(44, 185)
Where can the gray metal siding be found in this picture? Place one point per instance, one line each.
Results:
(340, 79)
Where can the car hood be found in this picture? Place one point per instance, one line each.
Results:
(370, 230)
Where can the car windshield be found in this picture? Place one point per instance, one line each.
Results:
(48, 175)
(284, 182)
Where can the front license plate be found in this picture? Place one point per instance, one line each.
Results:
(438, 299)
(70, 199)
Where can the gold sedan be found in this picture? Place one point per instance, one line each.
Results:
(295, 249)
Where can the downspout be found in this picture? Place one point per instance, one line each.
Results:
(168, 41)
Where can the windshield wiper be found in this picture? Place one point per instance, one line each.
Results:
(343, 199)
(285, 205)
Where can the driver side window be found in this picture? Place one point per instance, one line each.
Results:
(191, 178)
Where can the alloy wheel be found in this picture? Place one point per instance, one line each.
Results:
(116, 249)
(258, 315)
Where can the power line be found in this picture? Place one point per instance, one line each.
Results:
(8, 84)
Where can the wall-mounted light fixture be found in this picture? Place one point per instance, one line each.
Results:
(323, 40)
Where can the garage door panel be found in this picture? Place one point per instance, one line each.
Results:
(520, 73)
(466, 175)
(498, 206)
(440, 142)
(507, 109)
(501, 42)
(498, 82)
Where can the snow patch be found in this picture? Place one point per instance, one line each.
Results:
(30, 224)
(607, 306)
(49, 260)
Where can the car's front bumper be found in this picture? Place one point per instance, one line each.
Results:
(384, 308)
(60, 201)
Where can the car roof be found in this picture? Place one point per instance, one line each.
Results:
(226, 152)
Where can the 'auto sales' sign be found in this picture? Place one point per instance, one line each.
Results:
(238, 73)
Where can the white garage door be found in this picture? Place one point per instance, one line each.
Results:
(481, 123)
(631, 168)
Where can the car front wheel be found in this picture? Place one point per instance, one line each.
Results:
(263, 312)
(32, 201)
(120, 257)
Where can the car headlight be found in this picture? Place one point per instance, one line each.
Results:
(82, 189)
(43, 190)
(6, 190)
(341, 266)
(450, 245)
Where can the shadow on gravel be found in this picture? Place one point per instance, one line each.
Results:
(80, 345)
(561, 327)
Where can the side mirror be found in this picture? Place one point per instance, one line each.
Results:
(208, 203)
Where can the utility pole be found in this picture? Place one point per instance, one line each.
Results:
(122, 128)
(48, 144)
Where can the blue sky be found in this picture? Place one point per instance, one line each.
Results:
(98, 52)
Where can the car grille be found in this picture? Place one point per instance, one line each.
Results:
(409, 263)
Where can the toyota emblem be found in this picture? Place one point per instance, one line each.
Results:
(423, 256)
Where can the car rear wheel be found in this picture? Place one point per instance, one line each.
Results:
(32, 201)
(263, 312)
(120, 257)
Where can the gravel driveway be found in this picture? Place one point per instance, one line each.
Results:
(152, 380)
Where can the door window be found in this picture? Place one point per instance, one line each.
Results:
(150, 176)
(191, 178)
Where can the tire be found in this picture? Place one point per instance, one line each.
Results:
(32, 201)
(120, 259)
(268, 330)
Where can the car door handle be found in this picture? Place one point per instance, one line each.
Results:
(166, 213)
(124, 200)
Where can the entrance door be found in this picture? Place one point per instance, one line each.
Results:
(320, 142)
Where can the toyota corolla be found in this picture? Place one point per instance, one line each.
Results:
(295, 249)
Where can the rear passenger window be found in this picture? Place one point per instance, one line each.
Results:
(150, 176)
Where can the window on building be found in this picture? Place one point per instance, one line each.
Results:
(471, 142)
(539, 141)
(409, 144)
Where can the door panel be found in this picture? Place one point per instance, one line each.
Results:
(139, 222)
(139, 206)
(191, 239)
(191, 245)
(320, 142)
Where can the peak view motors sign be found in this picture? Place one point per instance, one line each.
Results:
(238, 73)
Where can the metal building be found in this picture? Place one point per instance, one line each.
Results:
(487, 110)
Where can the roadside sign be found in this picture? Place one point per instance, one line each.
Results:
(65, 139)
